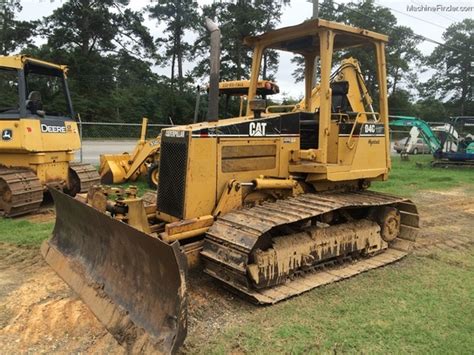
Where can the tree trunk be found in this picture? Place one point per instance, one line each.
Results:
(465, 87)
(395, 80)
(264, 70)
(85, 34)
(173, 60)
(179, 54)
(239, 62)
(3, 45)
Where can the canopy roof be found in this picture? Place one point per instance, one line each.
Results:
(304, 38)
(20, 61)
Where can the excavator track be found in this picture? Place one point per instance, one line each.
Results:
(21, 191)
(86, 175)
(468, 164)
(231, 244)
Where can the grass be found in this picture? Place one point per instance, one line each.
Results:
(24, 233)
(141, 184)
(423, 304)
(419, 305)
(408, 177)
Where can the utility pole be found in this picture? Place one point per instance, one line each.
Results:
(315, 8)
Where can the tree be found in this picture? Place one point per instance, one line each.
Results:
(270, 13)
(402, 57)
(92, 37)
(14, 34)
(402, 54)
(430, 110)
(452, 61)
(237, 20)
(178, 16)
(327, 11)
(399, 103)
(91, 26)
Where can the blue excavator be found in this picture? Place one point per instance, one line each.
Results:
(449, 148)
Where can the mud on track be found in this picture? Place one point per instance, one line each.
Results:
(39, 312)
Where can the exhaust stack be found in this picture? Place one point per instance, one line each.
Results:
(213, 108)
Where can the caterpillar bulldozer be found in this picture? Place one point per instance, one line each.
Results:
(39, 135)
(270, 205)
(145, 158)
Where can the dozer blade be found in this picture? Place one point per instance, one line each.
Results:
(133, 282)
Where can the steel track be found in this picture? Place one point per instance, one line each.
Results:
(21, 191)
(231, 240)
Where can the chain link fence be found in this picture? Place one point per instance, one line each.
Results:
(111, 138)
(118, 130)
(116, 138)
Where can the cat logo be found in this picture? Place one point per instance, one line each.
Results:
(257, 129)
(7, 134)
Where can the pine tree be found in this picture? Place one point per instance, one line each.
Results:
(14, 34)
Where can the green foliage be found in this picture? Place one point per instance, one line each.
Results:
(453, 64)
(14, 34)
(8, 90)
(238, 20)
(178, 16)
(430, 109)
(101, 42)
(399, 103)
(402, 53)
(111, 55)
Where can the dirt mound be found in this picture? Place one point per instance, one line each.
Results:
(40, 313)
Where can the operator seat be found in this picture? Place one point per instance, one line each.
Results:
(309, 122)
(339, 96)
(34, 102)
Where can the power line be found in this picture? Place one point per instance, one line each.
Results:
(443, 16)
(416, 18)
(415, 35)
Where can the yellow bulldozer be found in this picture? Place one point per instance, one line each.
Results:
(270, 204)
(39, 135)
(144, 161)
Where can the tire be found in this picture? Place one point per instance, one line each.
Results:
(415, 151)
(74, 186)
(152, 175)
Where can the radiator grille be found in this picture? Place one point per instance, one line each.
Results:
(172, 179)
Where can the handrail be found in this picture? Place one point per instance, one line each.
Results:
(83, 123)
(268, 109)
(376, 116)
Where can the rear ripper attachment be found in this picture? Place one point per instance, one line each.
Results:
(280, 249)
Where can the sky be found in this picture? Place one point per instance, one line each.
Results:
(430, 24)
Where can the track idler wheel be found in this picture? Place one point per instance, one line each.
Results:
(389, 220)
